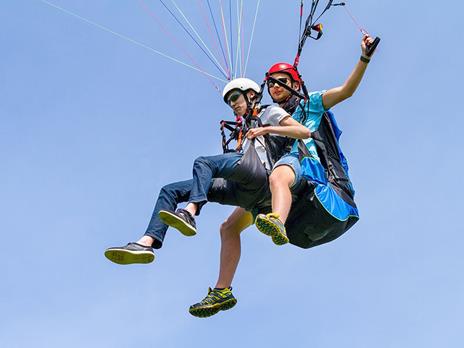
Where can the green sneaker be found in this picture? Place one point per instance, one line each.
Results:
(216, 300)
(271, 226)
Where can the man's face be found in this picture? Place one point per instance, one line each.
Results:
(278, 93)
(237, 102)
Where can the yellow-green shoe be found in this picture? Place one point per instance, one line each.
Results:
(271, 225)
(216, 300)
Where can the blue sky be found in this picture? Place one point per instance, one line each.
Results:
(92, 126)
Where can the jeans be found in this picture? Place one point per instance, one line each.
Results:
(207, 168)
(246, 186)
(168, 198)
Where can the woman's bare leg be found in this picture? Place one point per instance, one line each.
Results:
(280, 182)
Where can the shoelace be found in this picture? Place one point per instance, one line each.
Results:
(275, 217)
(185, 215)
(213, 296)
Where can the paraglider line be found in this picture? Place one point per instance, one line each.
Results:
(301, 17)
(360, 28)
(224, 29)
(231, 40)
(199, 37)
(219, 38)
(191, 36)
(121, 36)
(242, 31)
(252, 34)
(329, 5)
(237, 55)
(152, 14)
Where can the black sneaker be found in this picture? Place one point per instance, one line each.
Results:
(131, 253)
(216, 300)
(181, 220)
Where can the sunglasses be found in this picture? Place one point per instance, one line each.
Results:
(283, 81)
(232, 98)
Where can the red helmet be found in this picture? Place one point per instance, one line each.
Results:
(286, 69)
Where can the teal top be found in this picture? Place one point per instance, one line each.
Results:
(314, 109)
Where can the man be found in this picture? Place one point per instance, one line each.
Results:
(240, 94)
(283, 176)
(246, 175)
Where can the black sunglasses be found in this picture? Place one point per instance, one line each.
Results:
(233, 96)
(283, 80)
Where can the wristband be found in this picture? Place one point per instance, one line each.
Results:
(365, 60)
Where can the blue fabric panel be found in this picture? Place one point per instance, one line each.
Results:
(313, 170)
(334, 204)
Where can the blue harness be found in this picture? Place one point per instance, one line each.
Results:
(325, 208)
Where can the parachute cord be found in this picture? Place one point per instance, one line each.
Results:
(356, 23)
(224, 29)
(191, 36)
(152, 14)
(242, 32)
(212, 38)
(231, 39)
(252, 35)
(198, 36)
(306, 32)
(309, 25)
(126, 38)
(329, 5)
(219, 39)
(313, 9)
(301, 18)
(237, 66)
(239, 42)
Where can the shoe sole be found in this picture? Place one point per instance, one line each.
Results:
(270, 229)
(126, 257)
(179, 224)
(205, 312)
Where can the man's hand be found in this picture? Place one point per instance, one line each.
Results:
(256, 132)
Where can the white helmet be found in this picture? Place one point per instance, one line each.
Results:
(242, 84)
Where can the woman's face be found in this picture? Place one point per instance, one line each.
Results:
(278, 93)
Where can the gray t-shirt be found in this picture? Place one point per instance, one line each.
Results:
(271, 116)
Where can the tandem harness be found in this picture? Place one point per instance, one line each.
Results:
(323, 207)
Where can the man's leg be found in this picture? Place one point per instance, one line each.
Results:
(239, 220)
(142, 250)
(204, 170)
(221, 297)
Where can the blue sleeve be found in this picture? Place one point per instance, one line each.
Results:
(315, 102)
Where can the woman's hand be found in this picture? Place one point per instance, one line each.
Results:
(366, 41)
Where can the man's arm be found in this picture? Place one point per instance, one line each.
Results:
(338, 94)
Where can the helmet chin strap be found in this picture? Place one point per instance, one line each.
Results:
(251, 104)
(283, 101)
